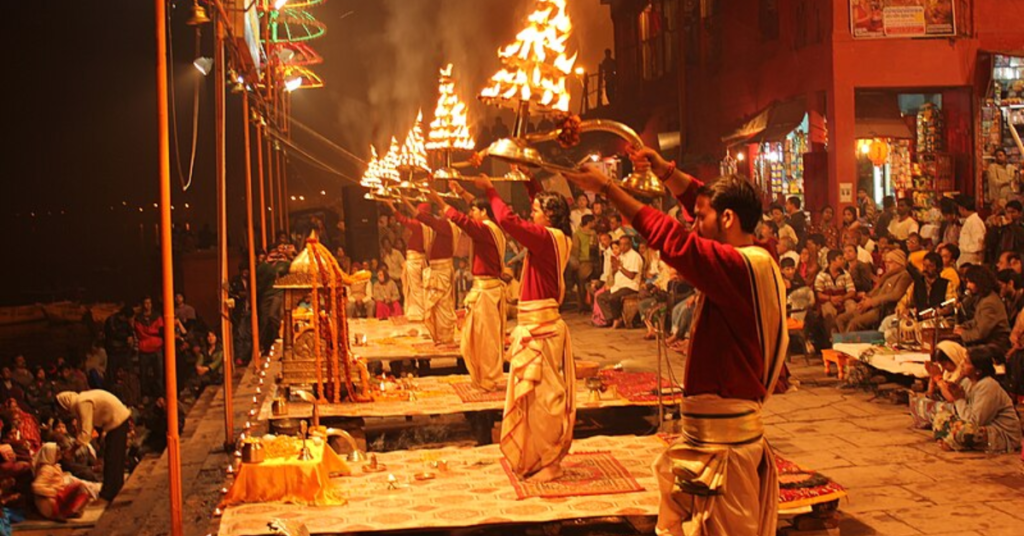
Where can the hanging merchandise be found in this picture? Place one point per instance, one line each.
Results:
(929, 129)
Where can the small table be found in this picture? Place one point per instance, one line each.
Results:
(896, 362)
(289, 479)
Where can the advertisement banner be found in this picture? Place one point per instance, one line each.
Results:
(877, 19)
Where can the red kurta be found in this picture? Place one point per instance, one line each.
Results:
(541, 280)
(415, 242)
(441, 247)
(486, 259)
(725, 353)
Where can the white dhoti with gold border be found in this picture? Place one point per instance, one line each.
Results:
(412, 285)
(483, 336)
(439, 301)
(540, 400)
(720, 474)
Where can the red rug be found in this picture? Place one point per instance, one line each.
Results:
(468, 393)
(635, 386)
(797, 486)
(586, 473)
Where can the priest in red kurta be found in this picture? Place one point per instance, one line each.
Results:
(438, 292)
(540, 400)
(720, 474)
(483, 335)
(415, 263)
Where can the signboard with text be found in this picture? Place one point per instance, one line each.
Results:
(879, 19)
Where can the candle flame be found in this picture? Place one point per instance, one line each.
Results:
(413, 154)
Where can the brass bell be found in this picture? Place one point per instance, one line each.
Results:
(644, 184)
(198, 15)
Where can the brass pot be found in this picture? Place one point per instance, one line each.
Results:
(279, 407)
(253, 452)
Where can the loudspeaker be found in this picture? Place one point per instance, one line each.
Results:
(360, 225)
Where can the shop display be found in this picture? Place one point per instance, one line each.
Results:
(930, 132)
(780, 164)
(1004, 103)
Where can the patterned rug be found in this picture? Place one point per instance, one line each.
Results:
(797, 486)
(635, 386)
(586, 473)
(469, 394)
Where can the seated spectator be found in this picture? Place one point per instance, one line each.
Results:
(1009, 260)
(8, 387)
(950, 253)
(834, 291)
(915, 251)
(21, 373)
(1011, 291)
(983, 417)
(786, 248)
(817, 245)
(987, 324)
(808, 267)
(778, 216)
(947, 368)
(71, 379)
(799, 297)
(861, 272)
(949, 229)
(360, 296)
(96, 364)
(57, 496)
(209, 364)
(40, 394)
(625, 269)
(385, 296)
(882, 299)
(23, 423)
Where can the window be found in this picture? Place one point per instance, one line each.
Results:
(656, 26)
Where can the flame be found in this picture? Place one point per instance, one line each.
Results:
(536, 64)
(389, 164)
(372, 176)
(449, 129)
(413, 154)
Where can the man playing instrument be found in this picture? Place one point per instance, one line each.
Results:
(540, 400)
(720, 474)
(483, 337)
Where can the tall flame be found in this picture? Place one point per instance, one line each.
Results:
(536, 64)
(371, 177)
(413, 154)
(449, 129)
(389, 164)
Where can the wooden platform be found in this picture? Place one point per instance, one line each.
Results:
(475, 491)
(396, 339)
(438, 395)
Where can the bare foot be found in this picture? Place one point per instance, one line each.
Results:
(547, 474)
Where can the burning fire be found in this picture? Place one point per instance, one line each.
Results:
(389, 164)
(413, 155)
(449, 129)
(371, 177)
(536, 64)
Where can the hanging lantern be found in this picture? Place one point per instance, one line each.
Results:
(878, 152)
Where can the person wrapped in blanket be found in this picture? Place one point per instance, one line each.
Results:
(975, 413)
(59, 495)
(983, 417)
(947, 368)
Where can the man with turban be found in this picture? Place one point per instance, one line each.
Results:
(882, 299)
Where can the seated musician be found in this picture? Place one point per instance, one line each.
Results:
(928, 290)
(987, 324)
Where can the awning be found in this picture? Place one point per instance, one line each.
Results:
(772, 124)
(878, 116)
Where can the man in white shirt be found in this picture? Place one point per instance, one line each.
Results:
(1000, 175)
(393, 259)
(972, 234)
(625, 269)
(904, 224)
(582, 209)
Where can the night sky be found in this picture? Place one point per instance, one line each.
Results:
(81, 150)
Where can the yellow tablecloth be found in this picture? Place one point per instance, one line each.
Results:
(289, 480)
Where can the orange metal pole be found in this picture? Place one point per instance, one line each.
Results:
(167, 265)
(285, 114)
(222, 233)
(259, 176)
(251, 232)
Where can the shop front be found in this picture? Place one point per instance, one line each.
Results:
(904, 149)
(1001, 116)
(770, 149)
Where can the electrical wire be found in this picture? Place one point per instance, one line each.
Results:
(185, 184)
(274, 133)
(330, 143)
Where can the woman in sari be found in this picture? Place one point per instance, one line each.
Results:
(982, 416)
(946, 369)
(57, 495)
